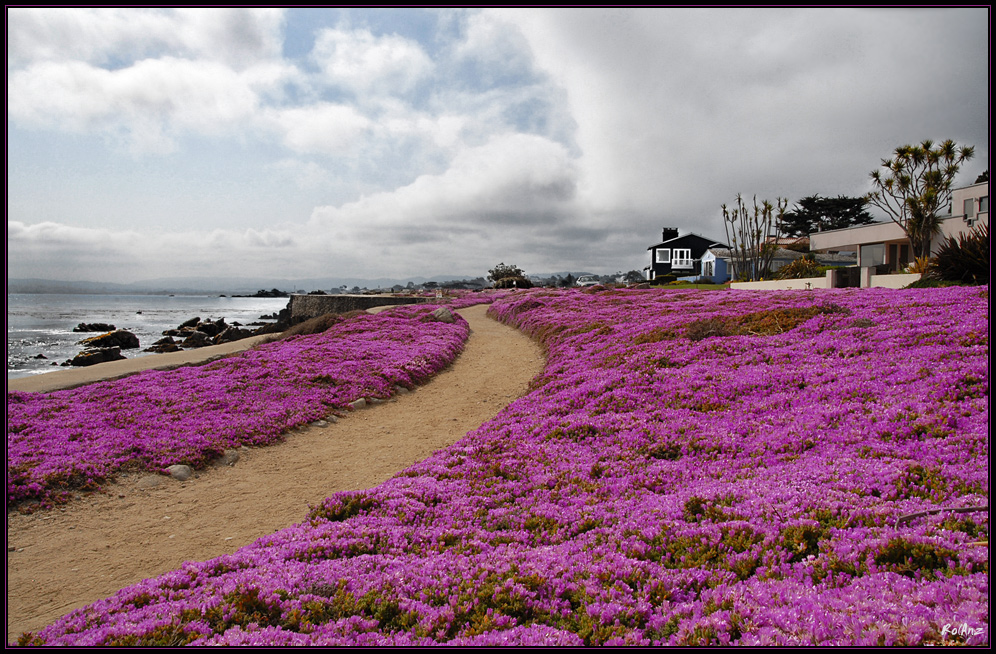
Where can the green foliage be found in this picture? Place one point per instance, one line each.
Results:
(920, 265)
(698, 509)
(916, 183)
(914, 559)
(928, 282)
(502, 271)
(964, 260)
(814, 214)
(342, 507)
(169, 635)
(925, 483)
(800, 269)
(803, 541)
(513, 282)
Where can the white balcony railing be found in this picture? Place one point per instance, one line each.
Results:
(681, 264)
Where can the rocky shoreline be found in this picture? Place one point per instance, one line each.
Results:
(191, 334)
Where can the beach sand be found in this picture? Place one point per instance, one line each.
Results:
(65, 558)
(73, 377)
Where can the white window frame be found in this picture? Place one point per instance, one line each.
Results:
(681, 258)
(662, 255)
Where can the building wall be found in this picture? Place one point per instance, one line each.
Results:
(978, 210)
(887, 243)
(812, 283)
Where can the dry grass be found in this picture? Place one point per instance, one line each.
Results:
(315, 325)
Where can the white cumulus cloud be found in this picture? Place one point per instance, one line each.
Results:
(360, 61)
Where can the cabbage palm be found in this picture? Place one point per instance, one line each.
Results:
(917, 182)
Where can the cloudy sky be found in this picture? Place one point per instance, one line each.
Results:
(147, 143)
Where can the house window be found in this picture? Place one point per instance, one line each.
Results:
(984, 204)
(872, 255)
(707, 268)
(664, 255)
(682, 258)
(969, 207)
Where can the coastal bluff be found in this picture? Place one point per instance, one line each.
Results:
(303, 307)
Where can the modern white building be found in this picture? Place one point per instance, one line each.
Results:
(881, 244)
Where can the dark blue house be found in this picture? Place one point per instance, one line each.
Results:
(678, 254)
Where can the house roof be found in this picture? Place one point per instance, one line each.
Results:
(709, 241)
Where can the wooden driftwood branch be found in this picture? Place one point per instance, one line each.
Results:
(963, 509)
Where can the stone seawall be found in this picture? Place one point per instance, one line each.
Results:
(310, 306)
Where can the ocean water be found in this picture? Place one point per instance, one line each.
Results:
(42, 324)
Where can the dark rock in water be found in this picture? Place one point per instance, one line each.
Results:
(284, 322)
(191, 323)
(166, 340)
(39, 356)
(94, 327)
(120, 338)
(271, 293)
(232, 334)
(94, 356)
(197, 339)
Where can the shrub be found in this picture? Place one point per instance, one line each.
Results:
(964, 260)
(929, 282)
(513, 282)
(800, 269)
(664, 279)
(920, 265)
(315, 325)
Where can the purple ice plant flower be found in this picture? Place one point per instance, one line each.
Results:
(691, 468)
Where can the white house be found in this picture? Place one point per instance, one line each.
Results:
(886, 243)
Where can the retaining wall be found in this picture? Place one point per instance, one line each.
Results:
(310, 306)
(783, 284)
(868, 280)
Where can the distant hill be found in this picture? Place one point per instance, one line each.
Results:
(211, 285)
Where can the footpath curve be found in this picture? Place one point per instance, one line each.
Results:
(66, 558)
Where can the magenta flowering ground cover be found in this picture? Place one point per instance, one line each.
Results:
(692, 468)
(75, 439)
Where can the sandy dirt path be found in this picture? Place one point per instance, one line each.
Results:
(65, 558)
